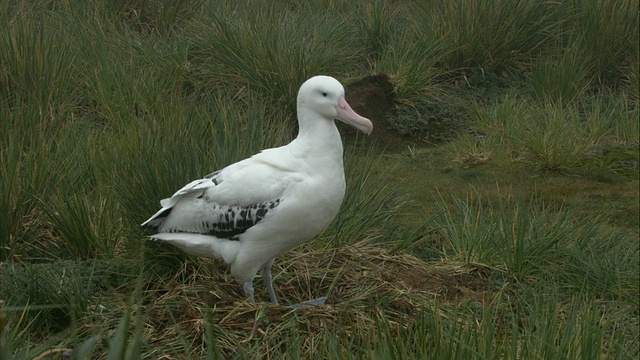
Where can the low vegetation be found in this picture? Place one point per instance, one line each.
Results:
(501, 222)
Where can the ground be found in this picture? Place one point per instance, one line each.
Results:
(374, 98)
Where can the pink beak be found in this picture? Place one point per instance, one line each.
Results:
(348, 116)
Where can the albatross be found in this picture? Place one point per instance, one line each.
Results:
(250, 212)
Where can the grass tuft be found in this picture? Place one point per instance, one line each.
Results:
(378, 26)
(493, 35)
(552, 137)
(84, 226)
(37, 60)
(270, 49)
(529, 240)
(609, 30)
(562, 79)
(410, 59)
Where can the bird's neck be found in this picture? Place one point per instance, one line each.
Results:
(318, 136)
(317, 129)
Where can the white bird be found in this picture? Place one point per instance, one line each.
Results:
(252, 211)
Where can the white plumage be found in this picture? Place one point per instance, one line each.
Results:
(256, 209)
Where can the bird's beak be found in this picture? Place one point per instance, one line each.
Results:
(348, 116)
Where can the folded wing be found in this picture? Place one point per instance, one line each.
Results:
(227, 202)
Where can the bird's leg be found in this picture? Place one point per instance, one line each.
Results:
(248, 290)
(268, 280)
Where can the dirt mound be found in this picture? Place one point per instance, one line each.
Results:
(374, 97)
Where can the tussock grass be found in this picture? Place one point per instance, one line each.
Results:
(378, 26)
(151, 16)
(270, 49)
(493, 35)
(564, 78)
(607, 32)
(84, 226)
(410, 59)
(632, 77)
(528, 240)
(38, 59)
(550, 136)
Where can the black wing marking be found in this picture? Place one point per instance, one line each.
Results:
(230, 222)
(214, 177)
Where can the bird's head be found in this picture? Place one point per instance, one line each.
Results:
(324, 95)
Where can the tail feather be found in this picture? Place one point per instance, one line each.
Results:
(202, 245)
(192, 189)
(156, 220)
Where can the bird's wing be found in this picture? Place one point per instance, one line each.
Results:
(227, 202)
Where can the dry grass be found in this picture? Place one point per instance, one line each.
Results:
(365, 286)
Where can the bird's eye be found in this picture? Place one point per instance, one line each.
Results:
(324, 94)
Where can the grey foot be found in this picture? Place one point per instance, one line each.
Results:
(307, 304)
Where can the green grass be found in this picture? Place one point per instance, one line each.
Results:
(563, 78)
(494, 35)
(290, 46)
(607, 32)
(504, 225)
(551, 136)
(410, 61)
